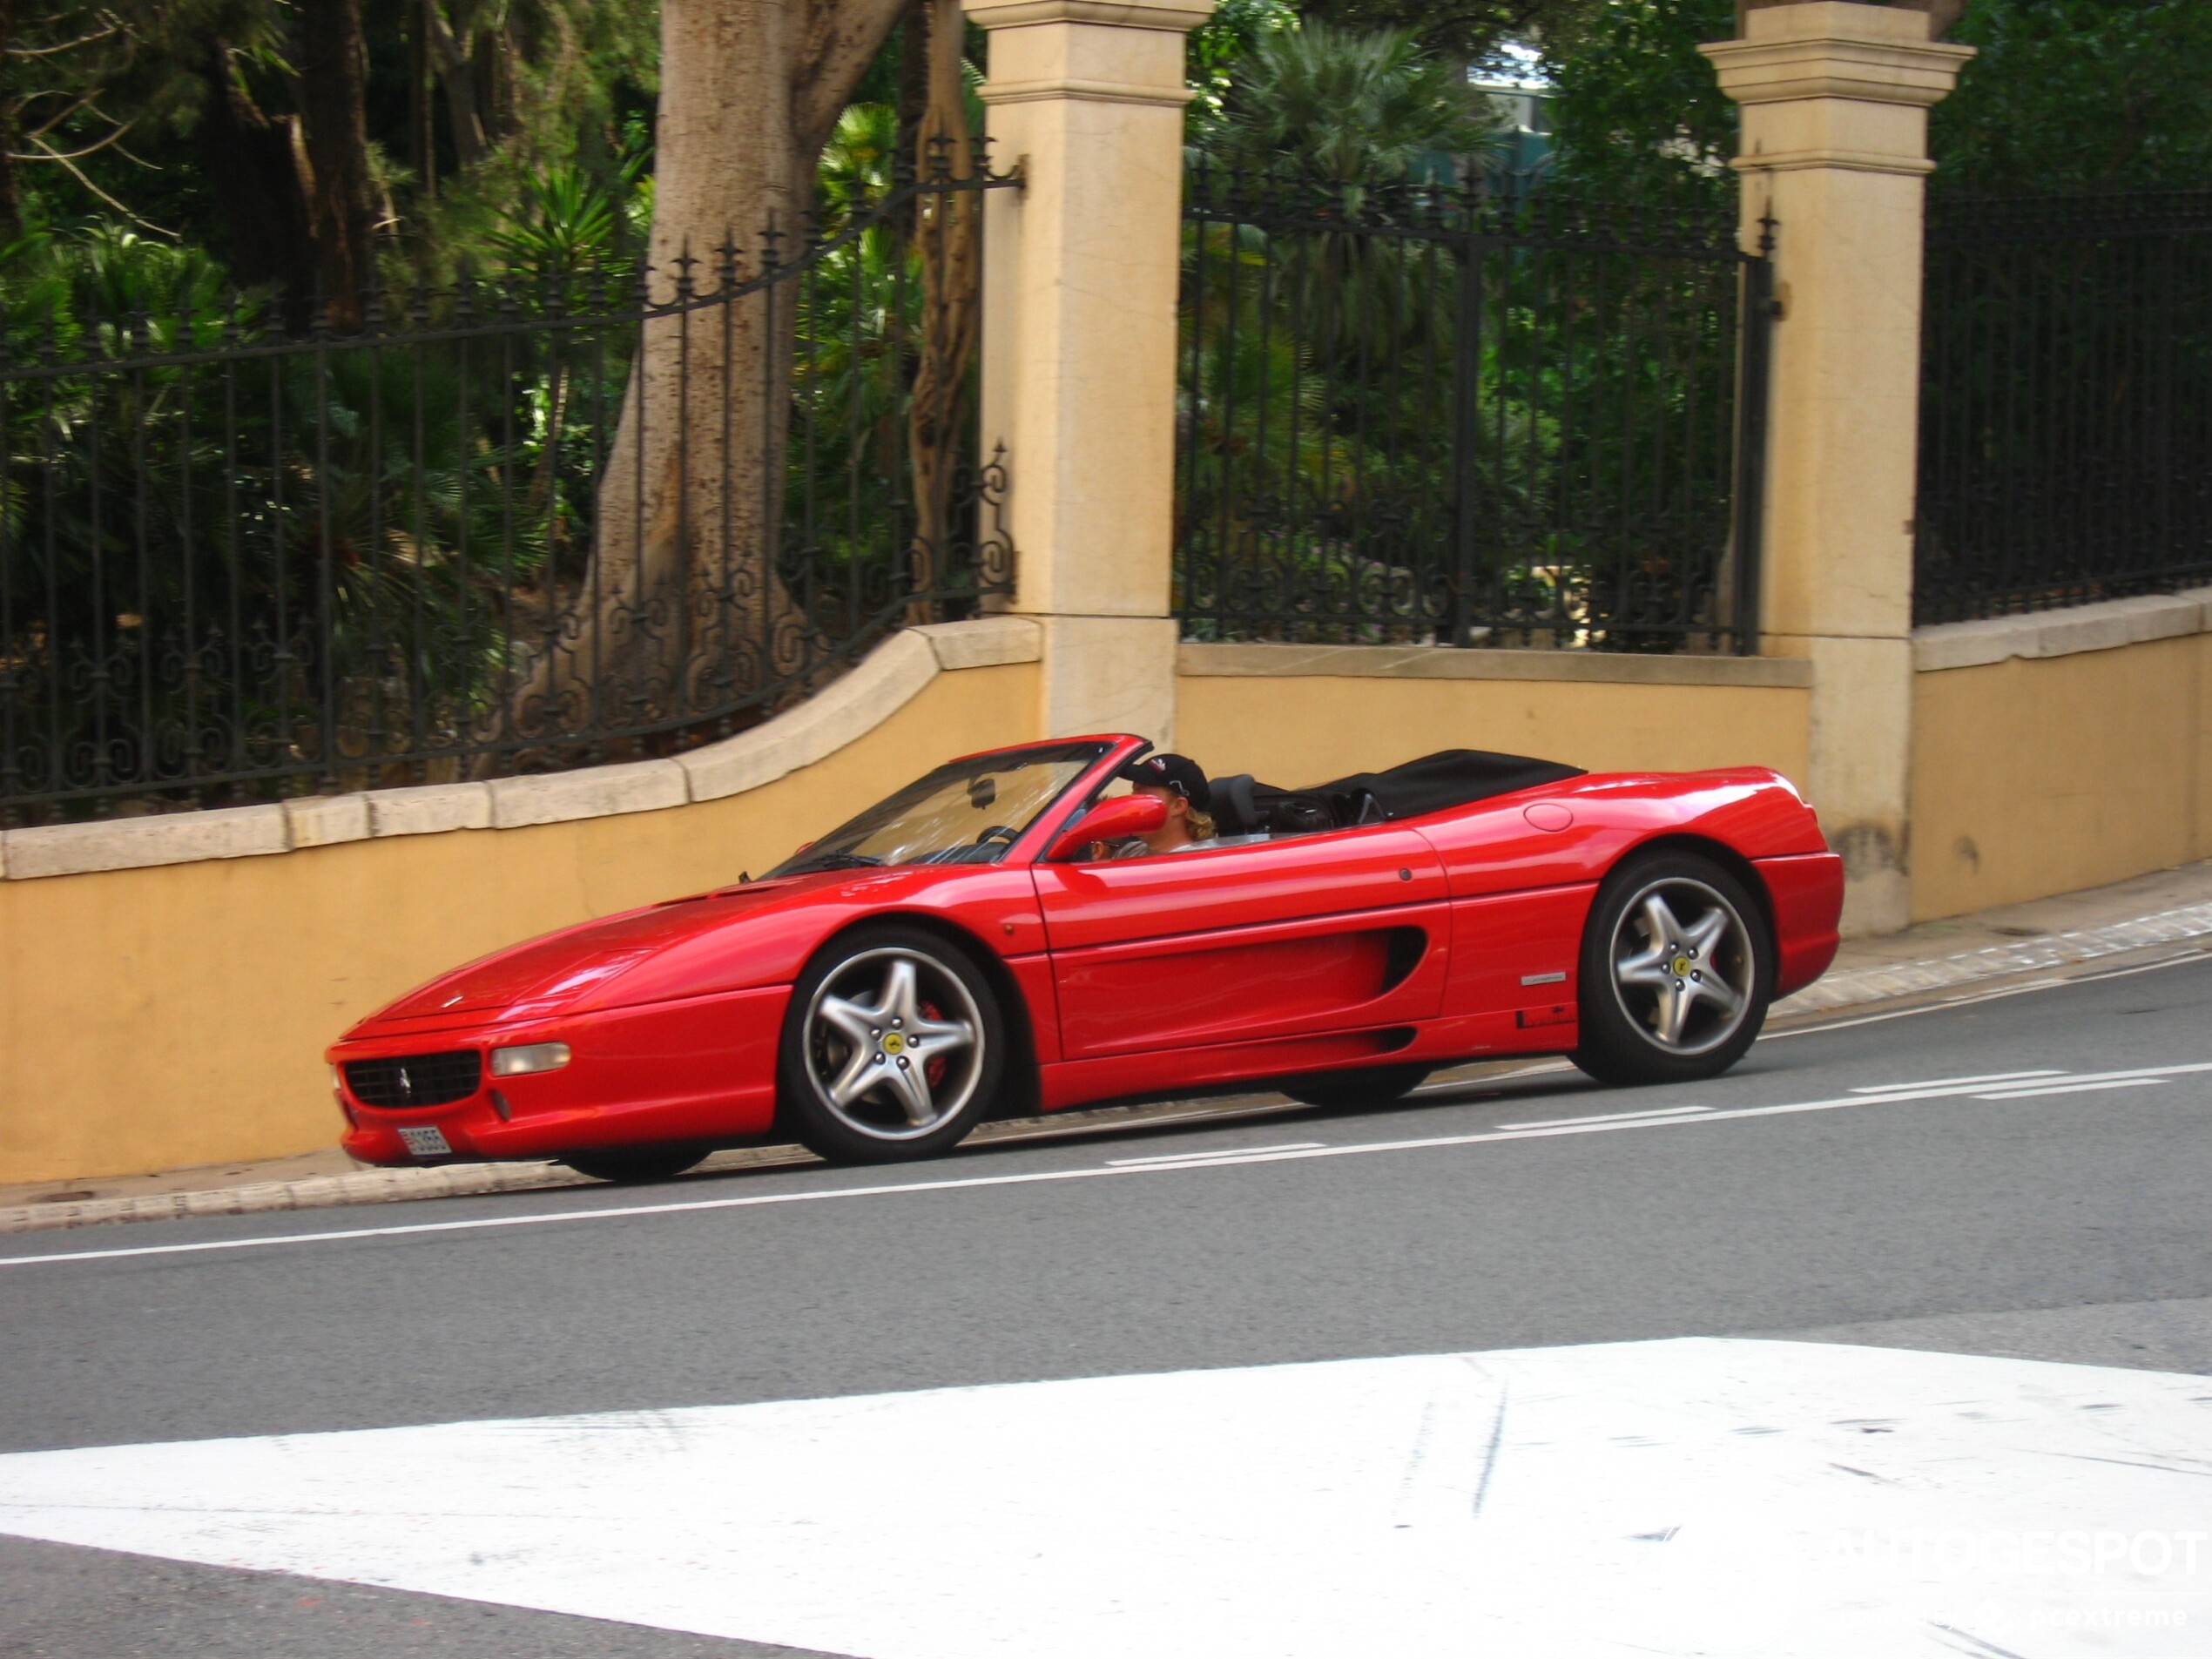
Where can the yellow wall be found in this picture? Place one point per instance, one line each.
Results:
(159, 1018)
(2036, 777)
(1291, 731)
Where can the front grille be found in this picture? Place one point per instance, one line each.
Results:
(415, 1079)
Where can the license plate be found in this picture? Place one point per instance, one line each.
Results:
(426, 1141)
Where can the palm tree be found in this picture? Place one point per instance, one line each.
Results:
(1338, 108)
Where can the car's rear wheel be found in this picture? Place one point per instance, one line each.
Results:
(636, 1163)
(1371, 1086)
(893, 1048)
(1676, 972)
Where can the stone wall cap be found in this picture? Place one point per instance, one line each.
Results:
(139, 843)
(430, 809)
(986, 642)
(1083, 91)
(325, 820)
(1179, 15)
(1446, 662)
(2036, 634)
(589, 792)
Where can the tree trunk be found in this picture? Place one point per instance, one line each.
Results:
(249, 159)
(10, 198)
(680, 611)
(421, 73)
(946, 232)
(457, 74)
(333, 62)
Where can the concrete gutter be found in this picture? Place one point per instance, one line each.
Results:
(2165, 913)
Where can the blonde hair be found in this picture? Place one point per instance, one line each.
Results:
(1202, 826)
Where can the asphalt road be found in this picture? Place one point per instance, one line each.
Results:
(2066, 1223)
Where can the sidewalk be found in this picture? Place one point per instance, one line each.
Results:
(2148, 917)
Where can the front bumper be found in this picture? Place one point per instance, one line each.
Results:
(702, 1069)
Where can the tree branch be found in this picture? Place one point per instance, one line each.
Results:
(838, 40)
(74, 172)
(67, 45)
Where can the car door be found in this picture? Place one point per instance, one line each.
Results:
(1232, 944)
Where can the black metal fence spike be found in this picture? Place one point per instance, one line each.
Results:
(361, 550)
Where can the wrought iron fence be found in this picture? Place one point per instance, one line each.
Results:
(1426, 415)
(514, 526)
(2065, 415)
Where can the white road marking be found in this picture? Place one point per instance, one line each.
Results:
(2074, 1089)
(1944, 1007)
(1608, 1117)
(1211, 1154)
(1797, 1500)
(1031, 1178)
(1935, 1082)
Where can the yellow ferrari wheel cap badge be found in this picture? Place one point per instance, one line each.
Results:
(1681, 966)
(894, 1042)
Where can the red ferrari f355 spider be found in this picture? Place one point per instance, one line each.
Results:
(959, 952)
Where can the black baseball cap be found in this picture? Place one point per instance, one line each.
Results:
(1178, 772)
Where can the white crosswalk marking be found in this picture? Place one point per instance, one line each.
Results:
(1697, 1496)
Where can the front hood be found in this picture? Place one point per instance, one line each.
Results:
(728, 939)
(552, 972)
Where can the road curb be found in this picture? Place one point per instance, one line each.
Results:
(1851, 987)
(1875, 984)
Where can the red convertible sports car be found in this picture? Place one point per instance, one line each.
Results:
(982, 944)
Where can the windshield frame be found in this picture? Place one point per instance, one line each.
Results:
(1093, 753)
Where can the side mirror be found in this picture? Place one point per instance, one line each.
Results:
(1110, 820)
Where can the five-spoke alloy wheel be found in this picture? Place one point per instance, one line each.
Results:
(892, 1047)
(1676, 972)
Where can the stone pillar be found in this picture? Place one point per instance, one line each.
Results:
(1079, 338)
(1835, 98)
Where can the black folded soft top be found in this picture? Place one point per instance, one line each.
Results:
(1449, 777)
(1433, 784)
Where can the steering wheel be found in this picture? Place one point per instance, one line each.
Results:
(997, 832)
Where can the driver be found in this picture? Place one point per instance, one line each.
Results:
(1179, 781)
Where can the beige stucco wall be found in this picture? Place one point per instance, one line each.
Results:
(2038, 776)
(157, 1018)
(1295, 730)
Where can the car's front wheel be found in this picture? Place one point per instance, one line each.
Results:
(893, 1048)
(1676, 972)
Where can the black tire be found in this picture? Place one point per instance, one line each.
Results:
(849, 1081)
(1372, 1086)
(631, 1165)
(1650, 1015)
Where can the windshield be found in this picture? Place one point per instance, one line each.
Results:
(970, 811)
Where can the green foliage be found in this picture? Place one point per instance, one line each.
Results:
(1461, 30)
(1217, 51)
(1638, 113)
(2079, 94)
(1350, 474)
(192, 553)
(1346, 109)
(572, 221)
(2066, 94)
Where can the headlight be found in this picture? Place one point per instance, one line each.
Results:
(533, 1056)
